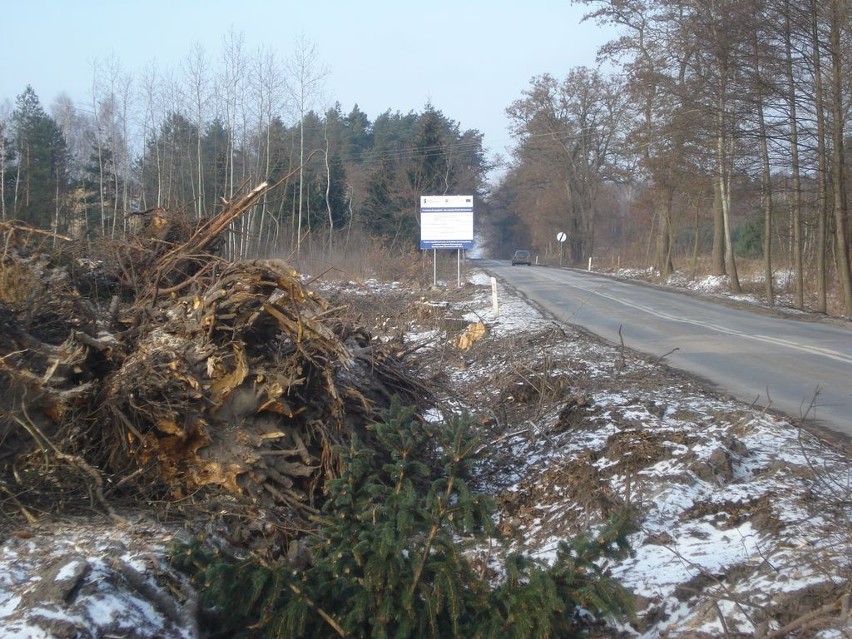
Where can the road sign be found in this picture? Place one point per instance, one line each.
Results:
(446, 221)
(561, 237)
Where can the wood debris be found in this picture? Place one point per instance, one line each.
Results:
(185, 376)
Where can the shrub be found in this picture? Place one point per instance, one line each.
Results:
(389, 558)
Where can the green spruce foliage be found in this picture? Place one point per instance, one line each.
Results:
(390, 559)
(36, 182)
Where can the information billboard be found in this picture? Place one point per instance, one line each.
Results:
(446, 221)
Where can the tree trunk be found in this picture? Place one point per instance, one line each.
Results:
(796, 205)
(718, 255)
(301, 177)
(822, 169)
(99, 149)
(327, 202)
(842, 253)
(766, 188)
(766, 185)
(3, 171)
(724, 186)
(664, 245)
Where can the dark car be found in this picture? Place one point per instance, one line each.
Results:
(522, 257)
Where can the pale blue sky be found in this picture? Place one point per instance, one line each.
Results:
(471, 59)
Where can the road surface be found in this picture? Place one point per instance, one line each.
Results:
(800, 368)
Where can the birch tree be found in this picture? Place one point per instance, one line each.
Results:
(5, 156)
(111, 96)
(306, 76)
(154, 112)
(197, 78)
(267, 89)
(231, 88)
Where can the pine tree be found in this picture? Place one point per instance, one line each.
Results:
(429, 171)
(389, 560)
(383, 209)
(39, 178)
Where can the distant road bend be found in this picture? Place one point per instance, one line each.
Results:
(756, 357)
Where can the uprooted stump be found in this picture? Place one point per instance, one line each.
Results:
(237, 388)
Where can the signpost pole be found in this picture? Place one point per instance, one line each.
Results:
(434, 267)
(561, 237)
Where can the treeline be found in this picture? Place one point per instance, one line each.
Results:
(719, 134)
(193, 142)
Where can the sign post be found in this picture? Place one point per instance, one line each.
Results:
(561, 237)
(446, 221)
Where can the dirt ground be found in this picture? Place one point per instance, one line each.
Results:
(745, 516)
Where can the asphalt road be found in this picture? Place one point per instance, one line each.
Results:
(797, 367)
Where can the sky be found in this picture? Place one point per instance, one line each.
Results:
(469, 59)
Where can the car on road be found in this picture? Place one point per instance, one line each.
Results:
(522, 256)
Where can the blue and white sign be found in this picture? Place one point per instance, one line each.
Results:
(446, 221)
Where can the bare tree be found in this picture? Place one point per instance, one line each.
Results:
(573, 126)
(646, 80)
(231, 89)
(795, 166)
(153, 115)
(5, 115)
(77, 130)
(268, 89)
(111, 96)
(196, 69)
(822, 168)
(838, 15)
(306, 76)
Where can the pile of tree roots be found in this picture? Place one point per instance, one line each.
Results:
(152, 371)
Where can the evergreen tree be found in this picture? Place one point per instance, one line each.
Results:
(356, 137)
(214, 151)
(169, 176)
(39, 180)
(429, 172)
(384, 209)
(393, 136)
(389, 559)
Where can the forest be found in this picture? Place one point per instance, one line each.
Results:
(191, 146)
(710, 135)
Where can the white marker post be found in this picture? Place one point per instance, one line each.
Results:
(494, 304)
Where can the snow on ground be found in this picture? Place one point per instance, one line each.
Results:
(744, 517)
(89, 579)
(743, 513)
